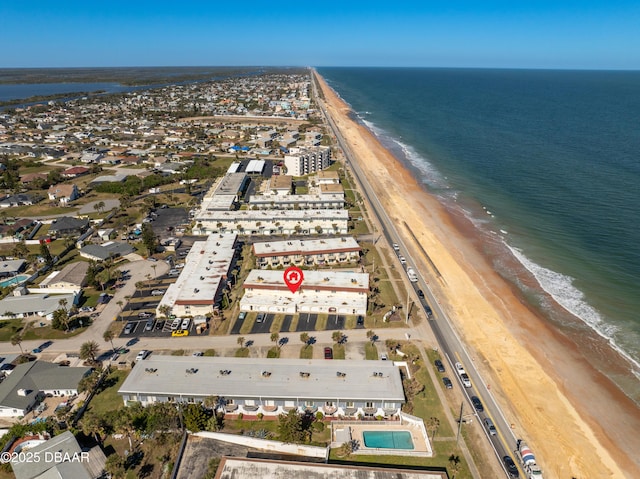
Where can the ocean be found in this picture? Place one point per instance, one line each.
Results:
(546, 166)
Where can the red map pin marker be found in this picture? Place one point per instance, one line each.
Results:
(293, 278)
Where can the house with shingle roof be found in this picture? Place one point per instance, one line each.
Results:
(63, 194)
(29, 382)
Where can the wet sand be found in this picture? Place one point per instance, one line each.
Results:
(577, 422)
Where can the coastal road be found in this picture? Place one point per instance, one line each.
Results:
(452, 348)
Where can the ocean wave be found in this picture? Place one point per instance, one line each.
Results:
(560, 287)
(431, 176)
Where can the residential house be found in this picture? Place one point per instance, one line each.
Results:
(20, 199)
(29, 382)
(68, 226)
(63, 193)
(75, 172)
(102, 252)
(72, 276)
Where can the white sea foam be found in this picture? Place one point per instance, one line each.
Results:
(560, 287)
(429, 174)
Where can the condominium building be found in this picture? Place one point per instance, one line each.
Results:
(251, 386)
(204, 276)
(323, 291)
(276, 254)
(269, 222)
(307, 161)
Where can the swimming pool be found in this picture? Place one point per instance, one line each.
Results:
(15, 280)
(387, 439)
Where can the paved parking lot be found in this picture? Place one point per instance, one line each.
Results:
(335, 322)
(307, 322)
(286, 324)
(264, 326)
(236, 326)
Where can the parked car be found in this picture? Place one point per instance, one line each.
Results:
(128, 329)
(157, 292)
(142, 355)
(396, 248)
(180, 333)
(260, 318)
(159, 325)
(175, 324)
(144, 315)
(328, 353)
(475, 400)
(447, 382)
(384, 357)
(439, 365)
(421, 293)
(149, 325)
(242, 315)
(151, 258)
(46, 344)
(185, 324)
(36, 350)
(173, 272)
(360, 320)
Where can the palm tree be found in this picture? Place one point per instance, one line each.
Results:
(432, 425)
(88, 351)
(337, 336)
(275, 337)
(164, 310)
(108, 337)
(93, 424)
(304, 338)
(454, 462)
(372, 336)
(120, 303)
(16, 339)
(63, 304)
(240, 341)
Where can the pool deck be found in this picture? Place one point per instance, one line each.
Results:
(354, 429)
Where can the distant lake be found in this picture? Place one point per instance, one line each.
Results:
(27, 90)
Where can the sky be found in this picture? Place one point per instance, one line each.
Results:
(502, 34)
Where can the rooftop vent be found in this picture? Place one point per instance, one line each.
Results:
(304, 375)
(201, 278)
(191, 371)
(225, 372)
(340, 374)
(150, 370)
(196, 290)
(266, 374)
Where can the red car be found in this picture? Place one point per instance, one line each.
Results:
(328, 353)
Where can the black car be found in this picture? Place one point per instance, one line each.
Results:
(475, 400)
(420, 293)
(510, 466)
(447, 383)
(360, 320)
(439, 365)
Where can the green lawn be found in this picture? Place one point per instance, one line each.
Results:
(242, 353)
(273, 352)
(306, 352)
(108, 399)
(370, 351)
(338, 351)
(10, 327)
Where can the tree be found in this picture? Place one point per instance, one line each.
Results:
(291, 428)
(115, 466)
(89, 382)
(99, 206)
(454, 463)
(304, 338)
(46, 254)
(120, 303)
(372, 336)
(196, 417)
(20, 250)
(240, 341)
(432, 425)
(275, 337)
(93, 424)
(16, 340)
(149, 239)
(63, 304)
(108, 336)
(164, 310)
(88, 351)
(337, 336)
(60, 319)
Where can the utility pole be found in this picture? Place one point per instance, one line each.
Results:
(407, 307)
(459, 423)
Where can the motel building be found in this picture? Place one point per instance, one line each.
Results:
(251, 385)
(315, 252)
(321, 292)
(205, 274)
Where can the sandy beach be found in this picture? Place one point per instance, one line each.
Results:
(577, 422)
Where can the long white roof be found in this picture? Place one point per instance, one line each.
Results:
(169, 376)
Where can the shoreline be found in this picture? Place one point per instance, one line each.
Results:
(576, 420)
